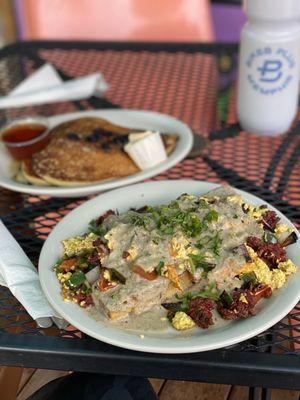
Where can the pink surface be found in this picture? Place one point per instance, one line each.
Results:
(169, 20)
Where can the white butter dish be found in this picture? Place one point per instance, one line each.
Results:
(146, 151)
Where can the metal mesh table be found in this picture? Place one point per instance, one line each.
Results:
(195, 83)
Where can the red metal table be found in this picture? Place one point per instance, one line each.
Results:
(195, 83)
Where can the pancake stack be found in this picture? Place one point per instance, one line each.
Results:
(84, 151)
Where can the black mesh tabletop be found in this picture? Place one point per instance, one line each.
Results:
(195, 83)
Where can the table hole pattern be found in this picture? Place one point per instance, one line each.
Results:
(195, 85)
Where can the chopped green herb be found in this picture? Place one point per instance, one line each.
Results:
(184, 301)
(210, 243)
(226, 298)
(56, 267)
(210, 292)
(211, 216)
(216, 243)
(166, 218)
(86, 290)
(138, 220)
(191, 225)
(76, 279)
(199, 261)
(174, 204)
(82, 262)
(269, 237)
(115, 295)
(202, 203)
(97, 229)
(192, 265)
(159, 267)
(250, 278)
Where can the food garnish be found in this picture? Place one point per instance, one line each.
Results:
(202, 258)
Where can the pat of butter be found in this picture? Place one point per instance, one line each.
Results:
(146, 149)
(134, 137)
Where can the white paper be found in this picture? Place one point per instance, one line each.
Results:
(43, 78)
(45, 86)
(20, 276)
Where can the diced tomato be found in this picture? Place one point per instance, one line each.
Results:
(105, 284)
(262, 291)
(150, 276)
(68, 264)
(87, 299)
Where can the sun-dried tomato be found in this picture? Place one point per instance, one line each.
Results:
(105, 284)
(244, 302)
(200, 310)
(261, 292)
(270, 253)
(270, 220)
(98, 242)
(254, 242)
(103, 217)
(101, 247)
(150, 276)
(87, 299)
(94, 259)
(142, 210)
(67, 265)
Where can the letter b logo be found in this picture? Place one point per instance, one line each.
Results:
(270, 71)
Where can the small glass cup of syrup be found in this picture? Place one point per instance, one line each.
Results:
(24, 137)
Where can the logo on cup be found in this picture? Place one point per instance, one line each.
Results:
(270, 70)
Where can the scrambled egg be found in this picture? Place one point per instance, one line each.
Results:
(183, 265)
(243, 299)
(288, 267)
(262, 271)
(182, 321)
(234, 199)
(276, 278)
(180, 247)
(106, 275)
(77, 244)
(110, 239)
(282, 228)
(64, 277)
(132, 251)
(187, 197)
(255, 212)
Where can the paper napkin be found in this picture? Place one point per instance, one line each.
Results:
(46, 86)
(20, 276)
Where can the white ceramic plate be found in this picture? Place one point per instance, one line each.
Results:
(128, 118)
(171, 341)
